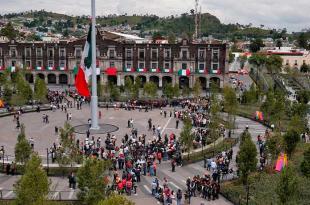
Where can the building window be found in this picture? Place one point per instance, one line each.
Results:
(28, 63)
(141, 53)
(50, 52)
(39, 52)
(62, 63)
(201, 66)
(141, 65)
(154, 65)
(184, 54)
(128, 65)
(167, 65)
(112, 53)
(0, 51)
(28, 52)
(1, 63)
(128, 53)
(215, 55)
(50, 63)
(62, 52)
(167, 53)
(201, 53)
(78, 52)
(97, 52)
(154, 53)
(215, 66)
(13, 52)
(184, 66)
(39, 63)
(112, 64)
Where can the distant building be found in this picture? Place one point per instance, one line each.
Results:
(294, 58)
(120, 56)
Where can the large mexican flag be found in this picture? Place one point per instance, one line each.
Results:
(184, 72)
(84, 71)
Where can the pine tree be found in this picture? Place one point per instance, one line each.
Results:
(92, 182)
(22, 148)
(32, 188)
(197, 88)
(186, 136)
(116, 200)
(40, 90)
(287, 186)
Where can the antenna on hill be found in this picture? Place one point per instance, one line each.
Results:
(197, 20)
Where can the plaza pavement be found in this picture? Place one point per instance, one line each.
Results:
(44, 137)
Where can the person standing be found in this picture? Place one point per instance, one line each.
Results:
(177, 124)
(179, 197)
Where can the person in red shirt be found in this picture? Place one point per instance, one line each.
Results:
(159, 157)
(128, 187)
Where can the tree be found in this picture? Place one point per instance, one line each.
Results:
(214, 114)
(150, 89)
(279, 43)
(168, 90)
(274, 64)
(230, 105)
(176, 90)
(297, 124)
(7, 93)
(114, 92)
(128, 86)
(305, 165)
(302, 40)
(40, 90)
(304, 68)
(243, 60)
(274, 146)
(303, 96)
(278, 111)
(116, 200)
(231, 57)
(68, 153)
(246, 158)
(197, 88)
(287, 186)
(9, 31)
(32, 188)
(256, 44)
(22, 148)
(136, 88)
(186, 136)
(24, 91)
(92, 181)
(171, 38)
(290, 139)
(186, 91)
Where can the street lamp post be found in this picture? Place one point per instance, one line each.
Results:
(47, 161)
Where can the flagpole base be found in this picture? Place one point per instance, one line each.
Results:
(95, 128)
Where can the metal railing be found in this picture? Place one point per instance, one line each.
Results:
(8, 194)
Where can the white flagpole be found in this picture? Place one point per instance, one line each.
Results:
(94, 97)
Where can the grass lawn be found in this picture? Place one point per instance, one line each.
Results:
(263, 185)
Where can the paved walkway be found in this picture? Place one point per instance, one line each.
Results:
(176, 179)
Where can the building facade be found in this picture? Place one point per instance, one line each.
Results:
(182, 63)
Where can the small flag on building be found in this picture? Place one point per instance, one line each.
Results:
(218, 71)
(51, 68)
(184, 72)
(129, 69)
(155, 70)
(141, 70)
(167, 70)
(39, 68)
(62, 68)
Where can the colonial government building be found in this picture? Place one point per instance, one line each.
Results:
(120, 56)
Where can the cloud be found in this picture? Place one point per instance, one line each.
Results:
(292, 15)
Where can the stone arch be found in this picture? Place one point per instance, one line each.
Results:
(112, 79)
(203, 82)
(166, 80)
(154, 79)
(51, 78)
(183, 82)
(143, 80)
(63, 78)
(41, 75)
(29, 77)
(216, 81)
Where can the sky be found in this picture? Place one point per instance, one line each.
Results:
(278, 14)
